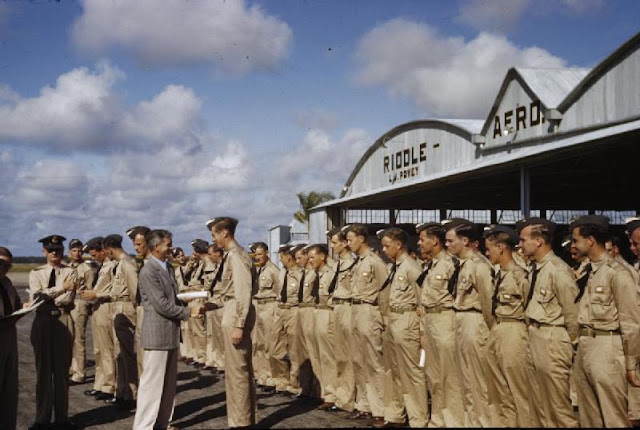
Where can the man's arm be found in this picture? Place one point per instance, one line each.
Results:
(242, 286)
(484, 283)
(153, 287)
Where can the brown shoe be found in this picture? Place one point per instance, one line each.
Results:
(365, 416)
(354, 414)
(378, 422)
(326, 406)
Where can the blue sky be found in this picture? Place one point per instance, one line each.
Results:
(117, 113)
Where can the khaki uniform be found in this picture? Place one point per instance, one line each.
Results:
(325, 333)
(369, 274)
(123, 307)
(210, 356)
(439, 342)
(345, 388)
(197, 325)
(634, 392)
(508, 355)
(284, 336)
(102, 330)
(473, 319)
(185, 341)
(552, 314)
(8, 356)
(52, 340)
(307, 341)
(236, 290)
(406, 382)
(267, 278)
(80, 316)
(609, 321)
(214, 321)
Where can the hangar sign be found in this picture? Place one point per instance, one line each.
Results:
(405, 163)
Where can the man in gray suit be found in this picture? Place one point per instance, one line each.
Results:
(160, 335)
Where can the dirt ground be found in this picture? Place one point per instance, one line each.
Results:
(200, 402)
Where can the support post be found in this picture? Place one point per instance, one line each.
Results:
(443, 214)
(525, 191)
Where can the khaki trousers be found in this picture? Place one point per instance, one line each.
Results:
(345, 386)
(198, 331)
(326, 371)
(8, 376)
(52, 340)
(283, 342)
(238, 380)
(551, 354)
(367, 334)
(139, 350)
(601, 382)
(186, 349)
(511, 370)
(157, 390)
(309, 382)
(265, 317)
(210, 353)
(442, 369)
(80, 317)
(124, 329)
(634, 403)
(471, 340)
(406, 376)
(103, 346)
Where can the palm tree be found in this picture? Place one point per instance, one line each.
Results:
(310, 200)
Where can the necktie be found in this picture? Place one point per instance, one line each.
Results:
(534, 278)
(301, 289)
(218, 276)
(315, 291)
(390, 277)
(452, 286)
(582, 282)
(494, 301)
(334, 281)
(424, 274)
(283, 291)
(95, 278)
(8, 308)
(52, 278)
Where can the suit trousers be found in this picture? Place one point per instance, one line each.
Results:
(551, 354)
(601, 382)
(157, 390)
(238, 380)
(511, 371)
(326, 371)
(124, 327)
(52, 340)
(283, 339)
(265, 317)
(80, 317)
(345, 386)
(442, 370)
(8, 376)
(367, 334)
(471, 340)
(103, 346)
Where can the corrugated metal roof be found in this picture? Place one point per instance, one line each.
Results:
(552, 85)
(473, 126)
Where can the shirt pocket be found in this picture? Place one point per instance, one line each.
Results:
(402, 283)
(439, 282)
(602, 308)
(365, 278)
(266, 283)
(465, 284)
(545, 298)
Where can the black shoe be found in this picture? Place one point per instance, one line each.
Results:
(73, 383)
(66, 426)
(38, 426)
(92, 392)
(104, 396)
(114, 400)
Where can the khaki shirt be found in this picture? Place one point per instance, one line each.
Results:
(209, 270)
(309, 279)
(195, 278)
(512, 292)
(346, 266)
(555, 291)
(325, 274)
(105, 280)
(369, 275)
(125, 280)
(236, 282)
(475, 286)
(268, 277)
(404, 290)
(435, 287)
(86, 274)
(180, 278)
(293, 277)
(610, 303)
(39, 283)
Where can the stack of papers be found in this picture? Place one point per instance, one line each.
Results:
(32, 307)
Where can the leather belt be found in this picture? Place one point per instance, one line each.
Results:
(593, 332)
(267, 300)
(362, 302)
(338, 301)
(468, 310)
(402, 309)
(307, 305)
(436, 309)
(324, 307)
(500, 320)
(286, 306)
(537, 324)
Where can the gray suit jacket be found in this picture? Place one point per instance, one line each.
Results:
(162, 309)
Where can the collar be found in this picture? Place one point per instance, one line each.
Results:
(600, 261)
(401, 259)
(160, 262)
(545, 259)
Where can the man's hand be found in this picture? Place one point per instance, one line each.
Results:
(69, 285)
(89, 295)
(236, 335)
(632, 377)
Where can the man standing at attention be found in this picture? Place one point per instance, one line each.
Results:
(160, 335)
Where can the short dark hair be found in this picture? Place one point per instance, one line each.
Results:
(436, 231)
(319, 248)
(225, 223)
(359, 230)
(5, 252)
(260, 245)
(470, 231)
(500, 237)
(216, 248)
(396, 234)
(154, 237)
(599, 234)
(542, 231)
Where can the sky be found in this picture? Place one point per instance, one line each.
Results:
(120, 113)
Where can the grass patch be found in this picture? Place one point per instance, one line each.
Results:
(24, 267)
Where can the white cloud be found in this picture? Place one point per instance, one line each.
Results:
(231, 35)
(583, 6)
(495, 15)
(444, 76)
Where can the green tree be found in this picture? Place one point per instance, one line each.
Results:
(310, 200)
